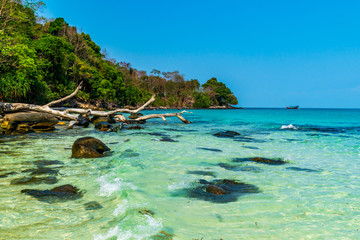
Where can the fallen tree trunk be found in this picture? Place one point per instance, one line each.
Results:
(66, 114)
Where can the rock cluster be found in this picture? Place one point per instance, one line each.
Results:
(24, 122)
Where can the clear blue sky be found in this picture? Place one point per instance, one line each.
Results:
(270, 53)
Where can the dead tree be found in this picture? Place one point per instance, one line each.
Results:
(73, 113)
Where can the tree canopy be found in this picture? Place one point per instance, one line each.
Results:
(42, 60)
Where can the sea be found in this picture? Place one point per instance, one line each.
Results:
(155, 182)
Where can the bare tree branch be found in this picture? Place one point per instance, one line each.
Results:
(65, 98)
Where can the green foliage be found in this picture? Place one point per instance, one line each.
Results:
(202, 100)
(43, 62)
(220, 94)
(56, 26)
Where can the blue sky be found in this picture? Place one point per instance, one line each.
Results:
(270, 53)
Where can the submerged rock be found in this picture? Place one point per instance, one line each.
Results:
(250, 147)
(89, 147)
(41, 163)
(203, 173)
(239, 168)
(61, 193)
(41, 170)
(302, 169)
(93, 205)
(166, 139)
(129, 153)
(261, 160)
(226, 134)
(221, 190)
(136, 127)
(210, 149)
(31, 180)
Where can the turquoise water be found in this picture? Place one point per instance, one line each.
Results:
(143, 186)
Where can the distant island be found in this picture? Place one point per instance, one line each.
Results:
(42, 60)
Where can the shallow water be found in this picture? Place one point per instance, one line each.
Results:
(142, 188)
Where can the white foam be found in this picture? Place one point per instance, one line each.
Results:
(121, 208)
(108, 187)
(175, 186)
(290, 126)
(151, 227)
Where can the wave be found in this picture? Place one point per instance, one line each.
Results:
(290, 126)
(109, 187)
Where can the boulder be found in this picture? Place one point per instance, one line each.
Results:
(23, 122)
(97, 119)
(32, 118)
(83, 121)
(89, 147)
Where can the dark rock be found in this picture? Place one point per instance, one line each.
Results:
(97, 119)
(127, 140)
(302, 169)
(261, 160)
(137, 127)
(41, 163)
(217, 190)
(92, 205)
(41, 171)
(104, 126)
(61, 193)
(211, 149)
(135, 115)
(145, 211)
(159, 134)
(250, 147)
(203, 173)
(4, 175)
(83, 121)
(89, 147)
(226, 134)
(32, 118)
(239, 168)
(31, 180)
(136, 122)
(23, 122)
(166, 139)
(221, 190)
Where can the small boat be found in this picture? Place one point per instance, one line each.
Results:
(292, 107)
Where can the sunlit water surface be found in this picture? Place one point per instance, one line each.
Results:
(139, 189)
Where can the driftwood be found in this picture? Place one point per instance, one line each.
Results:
(68, 114)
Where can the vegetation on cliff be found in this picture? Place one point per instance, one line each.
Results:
(42, 60)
